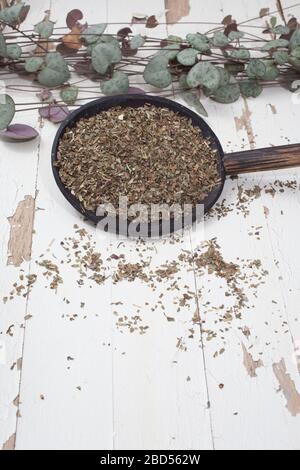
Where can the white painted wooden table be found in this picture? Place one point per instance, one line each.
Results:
(90, 384)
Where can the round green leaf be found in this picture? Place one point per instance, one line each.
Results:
(3, 48)
(275, 44)
(204, 73)
(220, 40)
(173, 38)
(104, 55)
(137, 41)
(250, 88)
(44, 29)
(56, 71)
(7, 111)
(156, 73)
(170, 51)
(118, 84)
(281, 29)
(241, 53)
(192, 100)
(182, 82)
(256, 68)
(228, 93)
(296, 52)
(14, 51)
(271, 72)
(233, 35)
(235, 68)
(33, 64)
(295, 39)
(224, 76)
(11, 14)
(187, 56)
(69, 94)
(280, 57)
(295, 63)
(92, 33)
(198, 41)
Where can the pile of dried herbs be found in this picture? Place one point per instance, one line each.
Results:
(150, 155)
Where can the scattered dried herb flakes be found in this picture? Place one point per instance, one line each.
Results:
(79, 253)
(245, 196)
(151, 155)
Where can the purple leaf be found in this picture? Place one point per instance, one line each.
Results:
(135, 90)
(19, 132)
(73, 17)
(54, 113)
(45, 94)
(124, 32)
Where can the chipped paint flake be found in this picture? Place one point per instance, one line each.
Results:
(176, 9)
(250, 364)
(244, 122)
(273, 108)
(10, 443)
(288, 387)
(266, 212)
(21, 229)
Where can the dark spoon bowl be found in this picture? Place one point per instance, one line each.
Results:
(135, 101)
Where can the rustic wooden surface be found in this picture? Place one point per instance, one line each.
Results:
(89, 384)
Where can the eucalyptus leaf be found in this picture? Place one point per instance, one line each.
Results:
(137, 41)
(198, 41)
(33, 64)
(228, 93)
(3, 48)
(118, 84)
(14, 51)
(69, 94)
(156, 72)
(187, 56)
(7, 111)
(256, 68)
(220, 39)
(295, 39)
(56, 71)
(250, 88)
(274, 44)
(11, 14)
(92, 33)
(233, 35)
(241, 53)
(204, 73)
(193, 100)
(280, 57)
(44, 29)
(104, 55)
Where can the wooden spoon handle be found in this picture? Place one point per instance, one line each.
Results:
(270, 158)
